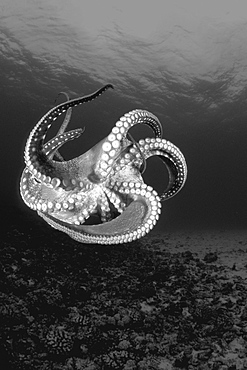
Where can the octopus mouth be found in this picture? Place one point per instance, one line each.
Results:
(96, 218)
(137, 213)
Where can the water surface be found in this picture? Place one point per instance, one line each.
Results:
(186, 62)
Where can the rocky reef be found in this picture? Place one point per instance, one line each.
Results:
(68, 306)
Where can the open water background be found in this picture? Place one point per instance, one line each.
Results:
(184, 61)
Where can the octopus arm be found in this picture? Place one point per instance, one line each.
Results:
(133, 223)
(172, 158)
(51, 147)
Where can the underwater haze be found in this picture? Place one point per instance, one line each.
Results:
(184, 61)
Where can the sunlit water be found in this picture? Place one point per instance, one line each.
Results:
(184, 62)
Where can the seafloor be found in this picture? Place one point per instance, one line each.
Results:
(174, 301)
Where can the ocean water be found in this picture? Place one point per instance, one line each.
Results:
(186, 62)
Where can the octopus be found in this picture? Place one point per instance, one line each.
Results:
(99, 197)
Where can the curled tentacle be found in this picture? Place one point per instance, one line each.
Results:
(68, 115)
(37, 163)
(62, 93)
(105, 181)
(144, 163)
(52, 146)
(173, 159)
(63, 126)
(112, 146)
(34, 157)
(136, 221)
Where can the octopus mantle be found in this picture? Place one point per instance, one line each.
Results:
(106, 181)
